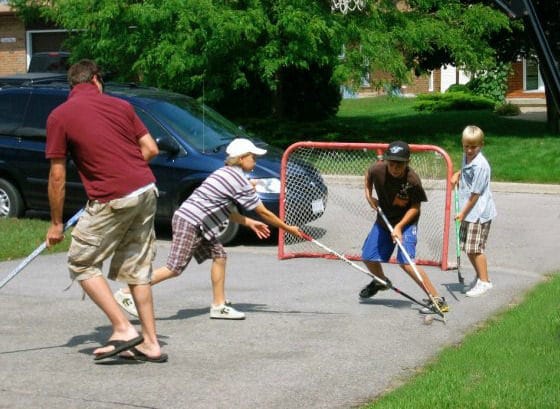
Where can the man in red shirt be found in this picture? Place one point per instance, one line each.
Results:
(111, 148)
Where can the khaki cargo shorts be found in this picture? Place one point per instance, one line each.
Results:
(122, 228)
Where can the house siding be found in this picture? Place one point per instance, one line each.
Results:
(13, 57)
(515, 84)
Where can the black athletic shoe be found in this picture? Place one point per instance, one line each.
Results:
(372, 288)
(442, 304)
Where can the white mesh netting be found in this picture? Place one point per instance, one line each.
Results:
(323, 193)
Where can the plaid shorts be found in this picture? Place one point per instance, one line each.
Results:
(473, 236)
(187, 242)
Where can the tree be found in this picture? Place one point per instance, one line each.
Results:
(424, 34)
(272, 56)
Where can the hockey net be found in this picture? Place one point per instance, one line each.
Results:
(339, 216)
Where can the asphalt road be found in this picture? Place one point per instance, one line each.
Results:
(307, 342)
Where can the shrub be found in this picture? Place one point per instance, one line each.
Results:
(453, 101)
(507, 109)
(491, 83)
(459, 88)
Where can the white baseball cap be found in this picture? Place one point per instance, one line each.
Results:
(242, 146)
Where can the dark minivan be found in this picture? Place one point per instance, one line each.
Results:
(191, 137)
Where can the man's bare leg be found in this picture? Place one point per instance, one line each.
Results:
(142, 295)
(99, 291)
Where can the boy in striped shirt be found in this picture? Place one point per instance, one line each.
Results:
(197, 223)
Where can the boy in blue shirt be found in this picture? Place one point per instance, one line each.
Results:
(477, 206)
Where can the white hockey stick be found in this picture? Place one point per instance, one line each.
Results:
(363, 270)
(412, 264)
(38, 251)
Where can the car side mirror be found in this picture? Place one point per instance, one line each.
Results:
(165, 144)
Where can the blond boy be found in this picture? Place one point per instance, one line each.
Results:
(477, 208)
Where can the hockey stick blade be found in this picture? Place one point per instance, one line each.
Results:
(37, 251)
(363, 270)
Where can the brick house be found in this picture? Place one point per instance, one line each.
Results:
(525, 84)
(18, 42)
(12, 41)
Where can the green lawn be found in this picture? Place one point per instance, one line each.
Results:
(22, 236)
(510, 362)
(518, 150)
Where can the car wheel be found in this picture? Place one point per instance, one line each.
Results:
(11, 203)
(228, 233)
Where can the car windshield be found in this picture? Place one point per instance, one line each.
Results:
(200, 126)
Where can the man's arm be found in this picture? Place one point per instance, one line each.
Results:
(57, 192)
(148, 147)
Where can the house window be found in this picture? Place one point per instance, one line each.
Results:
(44, 40)
(532, 79)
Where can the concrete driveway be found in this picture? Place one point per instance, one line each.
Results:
(307, 342)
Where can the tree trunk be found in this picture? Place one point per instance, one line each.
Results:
(552, 117)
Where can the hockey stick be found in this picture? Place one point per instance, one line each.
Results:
(457, 238)
(412, 264)
(38, 251)
(363, 270)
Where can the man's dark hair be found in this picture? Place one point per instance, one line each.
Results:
(83, 72)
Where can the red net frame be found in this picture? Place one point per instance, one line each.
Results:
(346, 214)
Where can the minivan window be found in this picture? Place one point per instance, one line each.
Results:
(202, 128)
(12, 111)
(40, 106)
(155, 129)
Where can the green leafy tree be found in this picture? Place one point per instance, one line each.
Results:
(285, 57)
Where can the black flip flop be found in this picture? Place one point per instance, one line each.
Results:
(138, 355)
(120, 346)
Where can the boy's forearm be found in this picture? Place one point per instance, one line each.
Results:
(470, 204)
(237, 218)
(410, 215)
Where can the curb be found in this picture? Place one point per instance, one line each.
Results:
(525, 188)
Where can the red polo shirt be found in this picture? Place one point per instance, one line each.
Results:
(101, 133)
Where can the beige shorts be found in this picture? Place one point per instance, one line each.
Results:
(122, 228)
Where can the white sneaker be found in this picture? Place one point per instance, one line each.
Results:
(126, 301)
(225, 312)
(480, 288)
(470, 286)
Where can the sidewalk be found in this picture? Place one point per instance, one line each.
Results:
(506, 187)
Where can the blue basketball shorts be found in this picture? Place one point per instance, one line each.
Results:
(379, 244)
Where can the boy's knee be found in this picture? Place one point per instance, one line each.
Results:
(219, 261)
